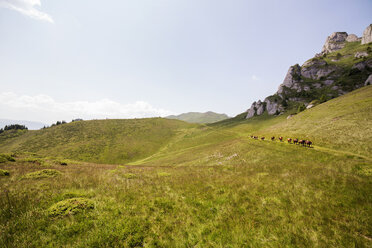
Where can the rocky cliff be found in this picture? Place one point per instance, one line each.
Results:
(343, 65)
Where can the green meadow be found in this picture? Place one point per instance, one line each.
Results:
(166, 183)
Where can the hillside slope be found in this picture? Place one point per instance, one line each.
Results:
(342, 124)
(196, 185)
(196, 117)
(101, 141)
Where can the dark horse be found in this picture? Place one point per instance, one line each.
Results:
(289, 140)
(272, 138)
(281, 138)
(308, 143)
(295, 141)
(301, 142)
(262, 138)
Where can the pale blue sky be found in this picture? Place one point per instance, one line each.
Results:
(154, 57)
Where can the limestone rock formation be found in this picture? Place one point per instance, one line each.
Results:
(367, 35)
(352, 38)
(324, 77)
(317, 69)
(273, 107)
(291, 79)
(334, 42)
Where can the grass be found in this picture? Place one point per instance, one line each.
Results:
(42, 174)
(4, 173)
(6, 158)
(207, 186)
(100, 141)
(70, 206)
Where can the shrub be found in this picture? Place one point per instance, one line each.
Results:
(42, 174)
(301, 108)
(4, 173)
(70, 207)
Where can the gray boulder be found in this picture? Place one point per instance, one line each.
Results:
(368, 81)
(360, 54)
(316, 71)
(334, 42)
(352, 38)
(367, 35)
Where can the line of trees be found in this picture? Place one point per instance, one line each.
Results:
(13, 127)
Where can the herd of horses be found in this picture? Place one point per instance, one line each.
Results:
(306, 143)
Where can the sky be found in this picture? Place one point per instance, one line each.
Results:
(61, 60)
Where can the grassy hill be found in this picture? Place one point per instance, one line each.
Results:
(202, 186)
(196, 117)
(101, 141)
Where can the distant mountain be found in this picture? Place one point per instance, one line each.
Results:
(196, 117)
(32, 125)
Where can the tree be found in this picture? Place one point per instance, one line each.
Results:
(15, 127)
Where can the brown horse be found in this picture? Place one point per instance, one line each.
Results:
(262, 138)
(308, 143)
(281, 138)
(301, 142)
(255, 137)
(289, 140)
(272, 138)
(295, 141)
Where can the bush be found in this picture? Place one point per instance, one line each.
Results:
(301, 108)
(4, 173)
(42, 174)
(70, 207)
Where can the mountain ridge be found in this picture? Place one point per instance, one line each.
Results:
(198, 117)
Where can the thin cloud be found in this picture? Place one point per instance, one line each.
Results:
(45, 108)
(255, 78)
(27, 8)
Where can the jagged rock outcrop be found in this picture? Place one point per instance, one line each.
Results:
(317, 69)
(367, 35)
(273, 107)
(324, 77)
(334, 42)
(291, 79)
